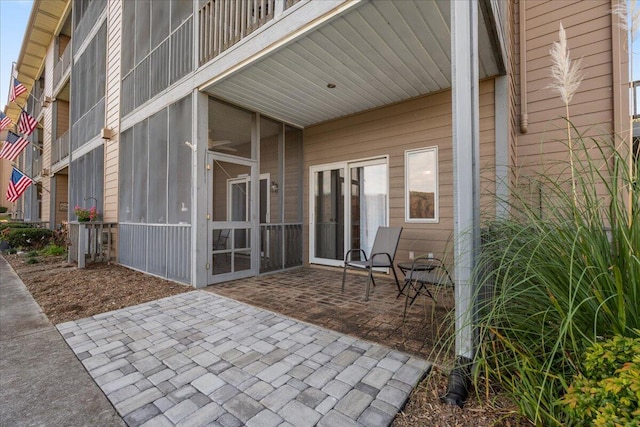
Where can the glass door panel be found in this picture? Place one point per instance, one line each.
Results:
(368, 204)
(347, 217)
(329, 214)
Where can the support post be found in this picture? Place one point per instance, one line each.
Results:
(199, 196)
(82, 247)
(466, 183)
(501, 102)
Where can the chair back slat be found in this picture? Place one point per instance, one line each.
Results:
(386, 241)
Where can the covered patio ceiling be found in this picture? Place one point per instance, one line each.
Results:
(377, 53)
(44, 23)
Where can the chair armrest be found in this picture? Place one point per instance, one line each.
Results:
(373, 257)
(347, 258)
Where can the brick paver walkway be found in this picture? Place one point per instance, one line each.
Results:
(202, 359)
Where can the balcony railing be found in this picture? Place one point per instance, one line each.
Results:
(94, 241)
(60, 148)
(62, 67)
(280, 246)
(224, 23)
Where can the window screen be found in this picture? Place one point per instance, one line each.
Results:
(157, 48)
(86, 180)
(142, 29)
(157, 197)
(179, 201)
(88, 87)
(293, 175)
(125, 172)
(141, 161)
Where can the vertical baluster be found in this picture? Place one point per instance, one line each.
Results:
(205, 29)
(227, 6)
(236, 19)
(203, 41)
(243, 18)
(212, 28)
(218, 26)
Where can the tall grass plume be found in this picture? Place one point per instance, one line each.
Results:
(566, 77)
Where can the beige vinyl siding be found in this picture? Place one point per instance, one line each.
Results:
(389, 131)
(112, 110)
(47, 124)
(588, 27)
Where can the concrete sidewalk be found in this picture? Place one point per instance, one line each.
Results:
(42, 383)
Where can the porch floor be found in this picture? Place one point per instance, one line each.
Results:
(313, 295)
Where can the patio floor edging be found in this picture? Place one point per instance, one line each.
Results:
(199, 358)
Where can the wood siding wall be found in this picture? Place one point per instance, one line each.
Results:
(112, 109)
(589, 32)
(47, 123)
(417, 123)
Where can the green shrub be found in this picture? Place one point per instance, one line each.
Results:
(607, 392)
(564, 270)
(52, 250)
(28, 238)
(5, 225)
(3, 209)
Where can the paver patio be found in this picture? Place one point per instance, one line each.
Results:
(314, 295)
(202, 359)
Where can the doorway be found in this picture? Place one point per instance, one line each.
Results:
(348, 202)
(232, 222)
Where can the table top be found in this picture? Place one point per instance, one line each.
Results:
(421, 265)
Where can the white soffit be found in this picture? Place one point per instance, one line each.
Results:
(379, 53)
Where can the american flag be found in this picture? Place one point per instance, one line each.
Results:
(18, 183)
(13, 146)
(26, 123)
(16, 90)
(5, 121)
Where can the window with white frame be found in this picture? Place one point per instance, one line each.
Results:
(421, 185)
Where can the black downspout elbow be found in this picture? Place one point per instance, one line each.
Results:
(459, 382)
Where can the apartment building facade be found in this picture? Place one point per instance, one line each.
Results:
(232, 138)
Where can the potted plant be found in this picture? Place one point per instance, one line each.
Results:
(86, 215)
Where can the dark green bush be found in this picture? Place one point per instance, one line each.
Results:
(53, 250)
(28, 238)
(3, 209)
(5, 225)
(607, 391)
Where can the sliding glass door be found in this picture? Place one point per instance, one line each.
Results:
(345, 217)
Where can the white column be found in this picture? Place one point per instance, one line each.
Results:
(466, 173)
(199, 196)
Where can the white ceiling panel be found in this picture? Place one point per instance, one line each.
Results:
(379, 53)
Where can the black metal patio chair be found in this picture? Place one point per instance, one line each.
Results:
(382, 255)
